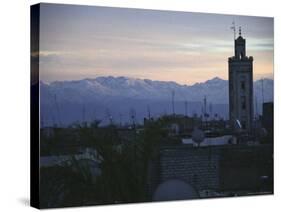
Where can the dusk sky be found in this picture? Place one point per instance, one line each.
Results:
(78, 42)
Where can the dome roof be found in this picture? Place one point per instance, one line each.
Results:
(174, 190)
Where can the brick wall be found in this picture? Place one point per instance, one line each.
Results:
(197, 166)
(209, 168)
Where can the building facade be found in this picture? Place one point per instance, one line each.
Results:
(240, 74)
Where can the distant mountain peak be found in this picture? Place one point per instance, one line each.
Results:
(127, 87)
(215, 79)
(119, 95)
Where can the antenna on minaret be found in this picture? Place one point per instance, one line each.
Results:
(234, 29)
(240, 31)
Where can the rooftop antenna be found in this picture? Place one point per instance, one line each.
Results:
(109, 116)
(257, 109)
(93, 115)
(120, 119)
(53, 120)
(58, 109)
(205, 108)
(148, 112)
(173, 101)
(233, 27)
(262, 91)
(185, 108)
(83, 113)
(211, 109)
(133, 116)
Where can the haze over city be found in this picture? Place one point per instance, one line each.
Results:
(88, 42)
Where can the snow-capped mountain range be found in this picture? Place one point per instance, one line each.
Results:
(116, 95)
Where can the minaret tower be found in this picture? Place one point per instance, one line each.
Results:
(240, 79)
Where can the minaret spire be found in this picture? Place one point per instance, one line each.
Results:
(234, 30)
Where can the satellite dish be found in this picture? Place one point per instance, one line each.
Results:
(238, 124)
(198, 136)
(174, 189)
